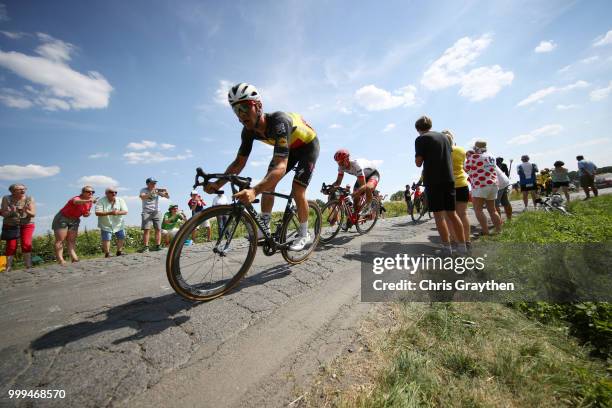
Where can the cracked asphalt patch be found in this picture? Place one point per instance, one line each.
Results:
(110, 332)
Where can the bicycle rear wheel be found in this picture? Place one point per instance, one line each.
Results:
(332, 218)
(205, 271)
(290, 229)
(368, 217)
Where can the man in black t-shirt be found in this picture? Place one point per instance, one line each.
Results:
(433, 152)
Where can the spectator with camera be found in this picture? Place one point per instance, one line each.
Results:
(66, 223)
(172, 222)
(18, 210)
(151, 217)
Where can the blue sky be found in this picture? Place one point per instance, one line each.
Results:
(114, 92)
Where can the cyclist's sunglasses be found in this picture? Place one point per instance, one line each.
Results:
(242, 108)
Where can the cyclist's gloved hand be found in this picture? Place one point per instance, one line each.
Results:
(245, 196)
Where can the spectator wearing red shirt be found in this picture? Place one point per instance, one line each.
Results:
(66, 223)
(196, 204)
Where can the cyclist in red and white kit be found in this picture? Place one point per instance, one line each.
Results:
(366, 172)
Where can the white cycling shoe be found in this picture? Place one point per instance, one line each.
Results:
(301, 242)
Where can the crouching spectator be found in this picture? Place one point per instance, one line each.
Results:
(110, 211)
(17, 209)
(66, 223)
(171, 223)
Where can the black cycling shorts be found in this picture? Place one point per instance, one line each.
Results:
(302, 160)
(462, 194)
(557, 184)
(375, 175)
(441, 197)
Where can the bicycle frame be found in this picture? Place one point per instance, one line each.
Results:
(237, 184)
(346, 204)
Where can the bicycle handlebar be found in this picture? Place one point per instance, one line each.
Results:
(241, 182)
(327, 189)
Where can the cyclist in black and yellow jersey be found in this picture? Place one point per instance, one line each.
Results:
(296, 146)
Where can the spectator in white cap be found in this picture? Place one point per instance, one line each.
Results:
(197, 204)
(220, 199)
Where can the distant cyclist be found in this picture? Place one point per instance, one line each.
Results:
(366, 172)
(295, 146)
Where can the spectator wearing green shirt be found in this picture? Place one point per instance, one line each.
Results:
(110, 210)
(171, 223)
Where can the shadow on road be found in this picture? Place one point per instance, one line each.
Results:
(133, 314)
(159, 312)
(336, 242)
(409, 223)
(275, 272)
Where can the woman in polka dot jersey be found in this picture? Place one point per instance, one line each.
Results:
(480, 167)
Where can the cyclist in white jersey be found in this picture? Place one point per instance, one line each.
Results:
(366, 172)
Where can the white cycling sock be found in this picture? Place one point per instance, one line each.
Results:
(303, 229)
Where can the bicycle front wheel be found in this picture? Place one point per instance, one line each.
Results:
(290, 229)
(368, 217)
(416, 210)
(332, 218)
(208, 270)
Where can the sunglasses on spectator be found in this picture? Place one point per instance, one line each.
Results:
(89, 191)
(19, 190)
(111, 192)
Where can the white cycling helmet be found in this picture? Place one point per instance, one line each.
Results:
(242, 92)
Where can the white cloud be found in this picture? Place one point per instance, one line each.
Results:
(567, 107)
(375, 99)
(31, 171)
(221, 92)
(590, 59)
(14, 99)
(98, 155)
(485, 82)
(530, 137)
(389, 127)
(54, 49)
(148, 157)
(335, 126)
(142, 145)
(167, 146)
(601, 93)
(603, 39)
(447, 70)
(537, 96)
(3, 14)
(477, 84)
(61, 86)
(13, 35)
(545, 46)
(98, 181)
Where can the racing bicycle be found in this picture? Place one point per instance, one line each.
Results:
(339, 212)
(417, 203)
(203, 272)
(553, 203)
